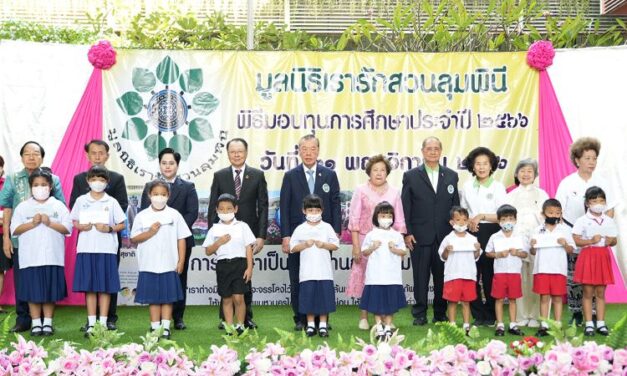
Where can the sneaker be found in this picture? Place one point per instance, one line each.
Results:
(363, 324)
(533, 324)
(310, 331)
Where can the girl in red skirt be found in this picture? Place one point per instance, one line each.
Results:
(595, 233)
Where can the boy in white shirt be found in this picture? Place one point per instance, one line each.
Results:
(459, 250)
(232, 241)
(508, 251)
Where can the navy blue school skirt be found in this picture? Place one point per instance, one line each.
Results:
(316, 297)
(383, 299)
(158, 288)
(42, 284)
(96, 272)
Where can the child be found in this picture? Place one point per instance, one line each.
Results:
(40, 224)
(507, 282)
(595, 232)
(314, 239)
(550, 267)
(232, 240)
(160, 233)
(98, 217)
(459, 251)
(383, 293)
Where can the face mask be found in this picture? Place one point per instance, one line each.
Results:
(597, 209)
(552, 220)
(226, 217)
(314, 218)
(41, 193)
(507, 226)
(158, 201)
(385, 222)
(97, 186)
(460, 228)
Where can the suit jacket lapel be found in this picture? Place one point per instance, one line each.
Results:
(175, 189)
(300, 176)
(320, 175)
(245, 181)
(230, 181)
(440, 179)
(422, 172)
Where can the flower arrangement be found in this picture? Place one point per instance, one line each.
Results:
(102, 55)
(540, 55)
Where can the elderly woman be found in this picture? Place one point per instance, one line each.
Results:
(570, 193)
(482, 196)
(527, 198)
(365, 198)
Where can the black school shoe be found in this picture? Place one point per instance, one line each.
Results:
(310, 331)
(542, 332)
(603, 331)
(589, 331)
(323, 332)
(515, 331)
(500, 331)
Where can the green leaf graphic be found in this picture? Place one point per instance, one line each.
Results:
(181, 144)
(143, 79)
(131, 103)
(204, 103)
(191, 80)
(153, 145)
(135, 129)
(200, 130)
(167, 70)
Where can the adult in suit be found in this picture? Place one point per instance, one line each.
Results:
(428, 194)
(98, 154)
(184, 199)
(249, 186)
(306, 178)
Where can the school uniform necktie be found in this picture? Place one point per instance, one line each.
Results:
(310, 181)
(238, 183)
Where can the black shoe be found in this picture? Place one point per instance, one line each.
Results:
(84, 327)
(180, 325)
(166, 334)
(467, 330)
(36, 331)
(515, 331)
(299, 326)
(111, 325)
(250, 324)
(310, 331)
(323, 332)
(47, 330)
(19, 328)
(603, 331)
(221, 325)
(500, 331)
(420, 321)
(588, 331)
(239, 330)
(88, 331)
(542, 332)
(576, 318)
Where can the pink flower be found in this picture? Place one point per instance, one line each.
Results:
(540, 55)
(102, 55)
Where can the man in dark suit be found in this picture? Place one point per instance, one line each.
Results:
(429, 192)
(249, 186)
(184, 199)
(308, 177)
(98, 153)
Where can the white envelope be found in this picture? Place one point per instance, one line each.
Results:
(610, 231)
(504, 244)
(93, 217)
(465, 244)
(163, 219)
(546, 241)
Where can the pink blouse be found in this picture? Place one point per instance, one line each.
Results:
(362, 206)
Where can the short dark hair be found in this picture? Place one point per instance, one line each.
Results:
(177, 156)
(379, 158)
(98, 172)
(312, 201)
(1, 161)
(594, 192)
(506, 211)
(41, 149)
(227, 197)
(551, 203)
(96, 142)
(158, 183)
(237, 139)
(459, 210)
(383, 207)
(42, 172)
(469, 161)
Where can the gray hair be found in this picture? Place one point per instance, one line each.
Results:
(527, 162)
(308, 137)
(431, 138)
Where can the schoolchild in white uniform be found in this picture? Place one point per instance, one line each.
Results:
(160, 233)
(41, 223)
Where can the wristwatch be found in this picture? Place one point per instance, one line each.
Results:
(110, 229)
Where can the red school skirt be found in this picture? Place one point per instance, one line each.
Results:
(594, 266)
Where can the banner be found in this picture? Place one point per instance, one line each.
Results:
(357, 104)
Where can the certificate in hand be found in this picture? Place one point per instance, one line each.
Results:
(546, 241)
(610, 231)
(158, 217)
(465, 244)
(505, 244)
(93, 217)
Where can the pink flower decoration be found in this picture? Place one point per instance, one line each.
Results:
(540, 55)
(102, 55)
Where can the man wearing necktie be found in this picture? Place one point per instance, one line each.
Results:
(249, 187)
(306, 178)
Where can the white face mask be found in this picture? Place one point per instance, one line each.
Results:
(598, 208)
(226, 217)
(158, 202)
(315, 218)
(385, 222)
(460, 228)
(41, 193)
(97, 186)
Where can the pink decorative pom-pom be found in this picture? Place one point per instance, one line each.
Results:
(102, 55)
(540, 55)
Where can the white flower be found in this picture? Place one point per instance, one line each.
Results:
(484, 367)
(516, 343)
(384, 350)
(540, 345)
(148, 366)
(263, 365)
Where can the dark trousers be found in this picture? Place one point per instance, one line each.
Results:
(293, 266)
(21, 307)
(485, 273)
(425, 262)
(178, 308)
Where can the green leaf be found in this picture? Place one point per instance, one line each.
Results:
(154, 144)
(143, 79)
(191, 80)
(181, 144)
(135, 129)
(204, 103)
(167, 70)
(200, 130)
(131, 103)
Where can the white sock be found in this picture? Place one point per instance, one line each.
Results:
(37, 322)
(466, 326)
(512, 325)
(48, 321)
(590, 323)
(91, 320)
(387, 328)
(544, 324)
(500, 325)
(103, 320)
(600, 324)
(154, 325)
(323, 324)
(165, 324)
(311, 323)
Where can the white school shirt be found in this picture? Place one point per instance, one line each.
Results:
(588, 225)
(553, 260)
(478, 198)
(159, 254)
(241, 237)
(458, 265)
(315, 263)
(384, 267)
(42, 245)
(94, 241)
(509, 264)
(571, 194)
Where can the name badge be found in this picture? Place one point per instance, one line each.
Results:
(450, 189)
(326, 188)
